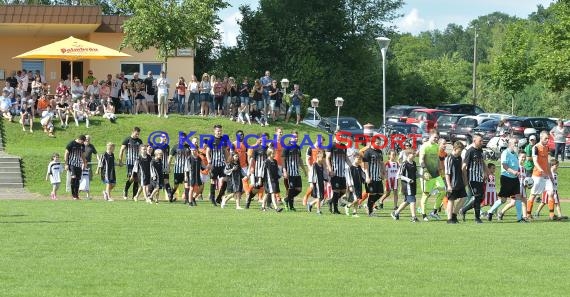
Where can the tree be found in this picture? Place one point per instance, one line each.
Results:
(169, 24)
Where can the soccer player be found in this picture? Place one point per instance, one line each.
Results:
(475, 173)
(142, 170)
(374, 172)
(292, 163)
(336, 160)
(408, 176)
(235, 174)
(432, 183)
(552, 198)
(131, 145)
(354, 182)
(192, 176)
(165, 148)
(391, 168)
(541, 174)
(180, 155)
(75, 163)
(310, 159)
(319, 177)
(106, 167)
(271, 180)
(256, 170)
(521, 196)
(54, 171)
(455, 182)
(218, 154)
(156, 175)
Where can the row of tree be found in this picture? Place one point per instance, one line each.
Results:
(523, 65)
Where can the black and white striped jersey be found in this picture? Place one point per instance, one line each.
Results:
(75, 156)
(165, 151)
(218, 149)
(107, 167)
(133, 146)
(475, 165)
(453, 169)
(192, 167)
(375, 161)
(338, 160)
(292, 160)
(259, 156)
(180, 157)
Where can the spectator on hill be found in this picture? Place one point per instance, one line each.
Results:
(5, 105)
(61, 89)
(559, 134)
(205, 88)
(138, 93)
(125, 95)
(47, 121)
(93, 89)
(26, 116)
(109, 111)
(43, 103)
(63, 111)
(149, 87)
(104, 89)
(182, 105)
(115, 90)
(296, 100)
(194, 97)
(89, 79)
(162, 85)
(77, 90)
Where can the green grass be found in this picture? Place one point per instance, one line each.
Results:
(93, 248)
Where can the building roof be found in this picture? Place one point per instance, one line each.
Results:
(16, 15)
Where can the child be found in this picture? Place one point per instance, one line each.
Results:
(26, 117)
(46, 121)
(408, 176)
(522, 196)
(354, 183)
(192, 178)
(142, 169)
(109, 112)
(84, 183)
(490, 190)
(454, 181)
(54, 171)
(552, 198)
(156, 175)
(243, 114)
(106, 167)
(259, 117)
(318, 180)
(392, 169)
(79, 114)
(235, 173)
(271, 181)
(63, 111)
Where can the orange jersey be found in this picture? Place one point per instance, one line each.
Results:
(242, 153)
(541, 153)
(313, 157)
(442, 154)
(278, 152)
(202, 155)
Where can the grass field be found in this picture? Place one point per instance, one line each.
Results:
(93, 248)
(125, 248)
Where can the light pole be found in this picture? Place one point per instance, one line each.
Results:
(314, 105)
(384, 43)
(284, 85)
(338, 103)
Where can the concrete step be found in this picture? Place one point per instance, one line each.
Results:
(10, 169)
(17, 193)
(8, 160)
(11, 185)
(10, 179)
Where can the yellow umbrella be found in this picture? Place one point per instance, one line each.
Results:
(72, 49)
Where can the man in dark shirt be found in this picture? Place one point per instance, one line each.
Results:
(131, 146)
(150, 92)
(75, 163)
(475, 173)
(89, 151)
(374, 171)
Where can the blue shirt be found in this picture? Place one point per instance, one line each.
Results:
(511, 159)
(266, 83)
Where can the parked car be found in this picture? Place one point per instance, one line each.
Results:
(551, 145)
(399, 113)
(446, 124)
(430, 115)
(312, 118)
(401, 128)
(465, 126)
(487, 130)
(469, 109)
(346, 124)
(496, 116)
(517, 125)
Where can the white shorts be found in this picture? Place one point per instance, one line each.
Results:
(162, 99)
(541, 184)
(149, 98)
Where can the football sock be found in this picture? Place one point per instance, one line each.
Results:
(518, 206)
(551, 208)
(529, 204)
(495, 206)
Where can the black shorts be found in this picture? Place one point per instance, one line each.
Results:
(477, 189)
(375, 187)
(217, 172)
(509, 187)
(130, 170)
(165, 176)
(178, 178)
(145, 179)
(272, 188)
(338, 183)
(456, 194)
(294, 182)
(76, 172)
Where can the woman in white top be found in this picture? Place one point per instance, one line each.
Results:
(125, 95)
(205, 87)
(194, 94)
(559, 134)
(93, 89)
(77, 90)
(36, 87)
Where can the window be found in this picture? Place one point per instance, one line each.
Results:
(129, 68)
(33, 65)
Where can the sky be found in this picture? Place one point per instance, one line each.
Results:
(418, 15)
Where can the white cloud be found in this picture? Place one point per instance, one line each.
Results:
(413, 23)
(229, 28)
